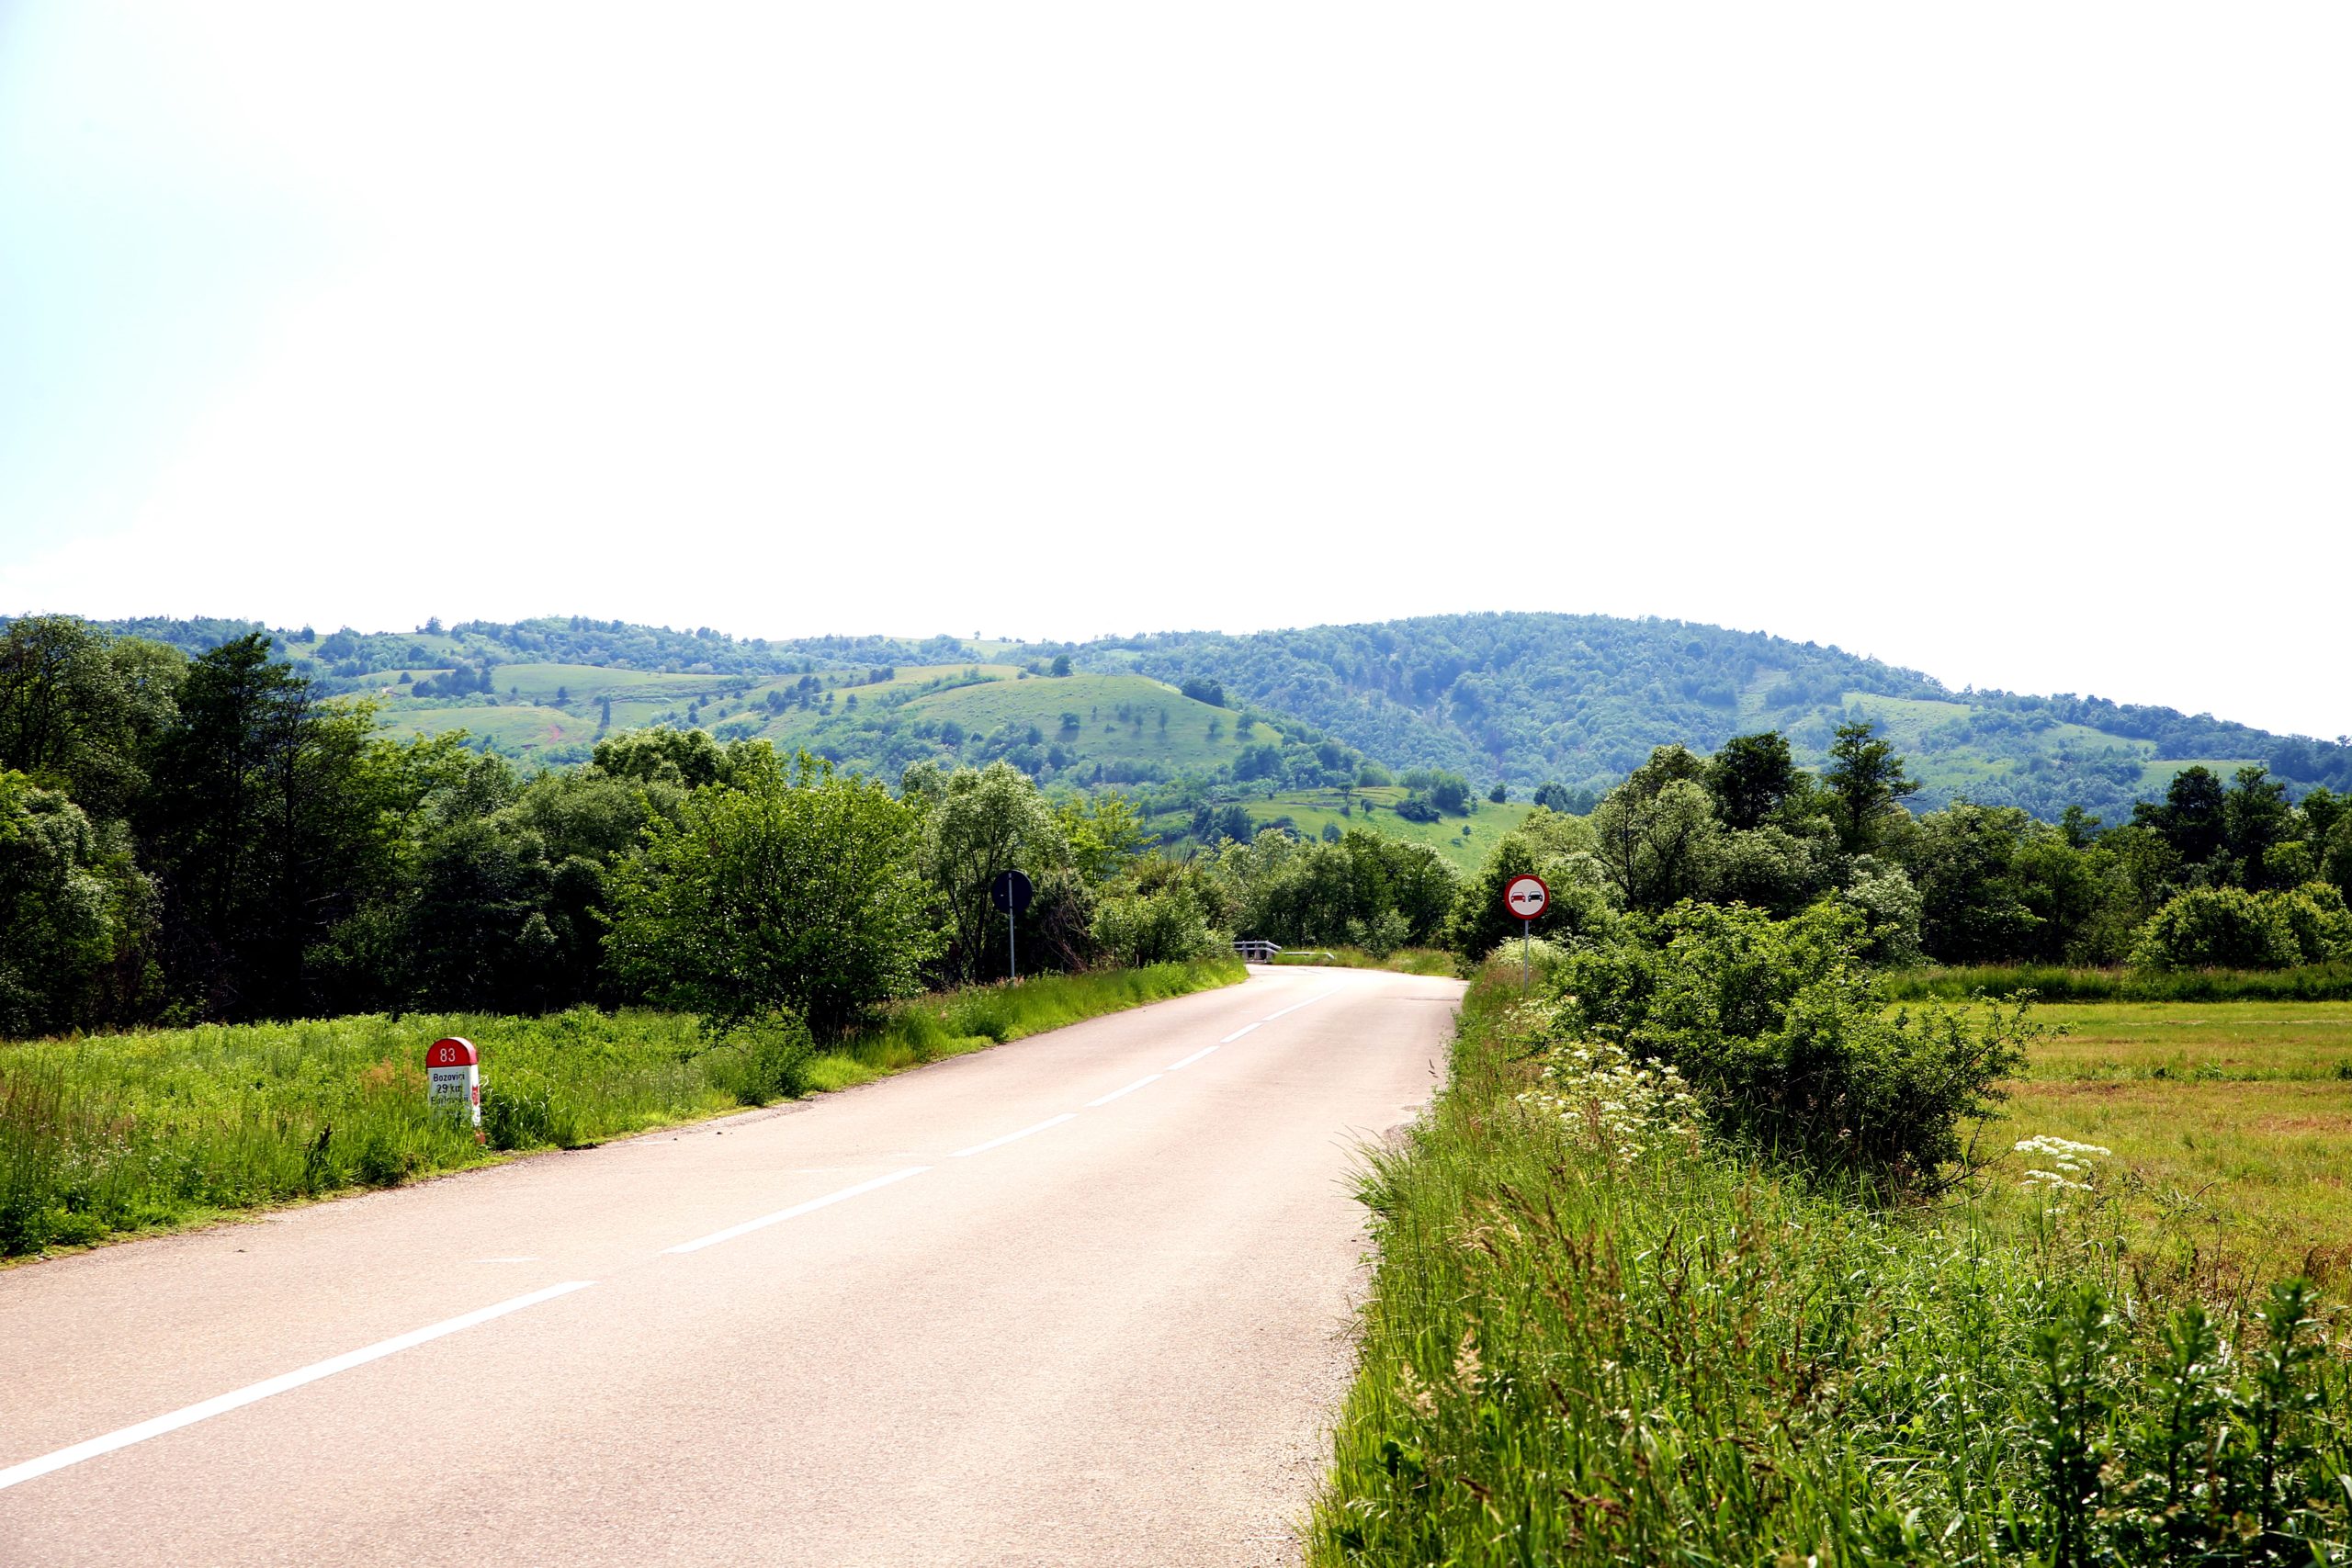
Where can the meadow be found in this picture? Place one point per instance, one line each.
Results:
(1597, 1336)
(1464, 841)
(109, 1134)
(2230, 1125)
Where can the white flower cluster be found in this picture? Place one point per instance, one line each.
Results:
(1622, 1107)
(2070, 1162)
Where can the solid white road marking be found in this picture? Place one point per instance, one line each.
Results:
(1237, 1034)
(1116, 1092)
(252, 1392)
(1307, 1003)
(1008, 1137)
(1179, 1066)
(732, 1232)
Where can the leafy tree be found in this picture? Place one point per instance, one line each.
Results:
(979, 822)
(1866, 785)
(798, 893)
(689, 758)
(1751, 776)
(2193, 818)
(79, 709)
(2257, 819)
(72, 911)
(1973, 907)
(1103, 832)
(1500, 794)
(1061, 664)
(1654, 833)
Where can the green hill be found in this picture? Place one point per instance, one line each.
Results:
(1582, 699)
(1579, 700)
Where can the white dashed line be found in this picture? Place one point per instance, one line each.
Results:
(1237, 1034)
(1008, 1137)
(1295, 1006)
(254, 1393)
(1116, 1092)
(1179, 1066)
(732, 1232)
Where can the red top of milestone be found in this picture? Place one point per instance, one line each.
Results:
(452, 1053)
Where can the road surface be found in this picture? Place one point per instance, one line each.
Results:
(1081, 1298)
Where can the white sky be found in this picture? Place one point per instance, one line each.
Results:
(2009, 342)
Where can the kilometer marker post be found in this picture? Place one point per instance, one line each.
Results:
(1526, 896)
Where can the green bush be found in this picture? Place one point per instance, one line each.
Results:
(2229, 927)
(1780, 1028)
(1136, 928)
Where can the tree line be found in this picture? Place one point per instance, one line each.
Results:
(207, 838)
(2219, 873)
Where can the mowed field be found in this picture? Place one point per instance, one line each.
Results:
(2230, 1122)
(1465, 841)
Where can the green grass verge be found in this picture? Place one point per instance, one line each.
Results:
(2053, 983)
(111, 1134)
(1404, 961)
(1576, 1357)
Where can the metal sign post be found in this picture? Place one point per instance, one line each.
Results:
(1011, 892)
(1527, 897)
(453, 1078)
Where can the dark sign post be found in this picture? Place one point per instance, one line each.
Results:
(1011, 892)
(1526, 896)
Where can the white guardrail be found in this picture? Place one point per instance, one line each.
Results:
(1257, 952)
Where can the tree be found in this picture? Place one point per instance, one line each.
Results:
(799, 893)
(1061, 664)
(1500, 794)
(79, 709)
(1103, 832)
(272, 818)
(1750, 777)
(2193, 818)
(1866, 786)
(72, 909)
(1654, 832)
(979, 823)
(2255, 820)
(1973, 910)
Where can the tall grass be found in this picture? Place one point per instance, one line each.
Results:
(2310, 983)
(122, 1133)
(1580, 1350)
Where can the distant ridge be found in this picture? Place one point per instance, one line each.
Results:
(1522, 698)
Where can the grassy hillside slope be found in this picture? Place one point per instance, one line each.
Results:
(1527, 698)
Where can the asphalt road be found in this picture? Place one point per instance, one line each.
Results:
(1081, 1298)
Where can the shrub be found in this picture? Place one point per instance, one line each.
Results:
(2223, 927)
(1780, 1028)
(1163, 927)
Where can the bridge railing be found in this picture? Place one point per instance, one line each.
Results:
(1257, 952)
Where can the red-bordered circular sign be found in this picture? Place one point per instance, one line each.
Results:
(452, 1053)
(1526, 896)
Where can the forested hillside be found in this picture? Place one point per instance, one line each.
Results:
(1582, 700)
(1526, 699)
